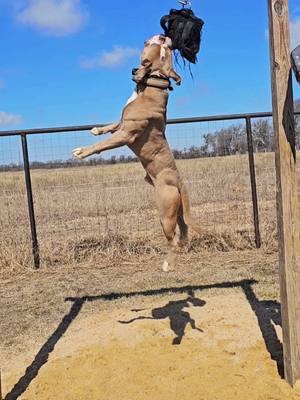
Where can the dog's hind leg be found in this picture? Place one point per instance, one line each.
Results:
(148, 179)
(183, 231)
(168, 201)
(105, 129)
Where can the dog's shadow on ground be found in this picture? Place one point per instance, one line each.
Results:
(174, 311)
(267, 313)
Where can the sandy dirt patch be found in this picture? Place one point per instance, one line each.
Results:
(200, 345)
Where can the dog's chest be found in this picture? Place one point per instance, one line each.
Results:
(132, 97)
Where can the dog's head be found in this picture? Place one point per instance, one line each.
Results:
(155, 58)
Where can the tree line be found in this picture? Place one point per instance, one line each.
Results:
(227, 141)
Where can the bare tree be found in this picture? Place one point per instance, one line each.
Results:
(263, 136)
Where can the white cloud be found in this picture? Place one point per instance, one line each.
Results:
(110, 59)
(10, 119)
(295, 33)
(52, 17)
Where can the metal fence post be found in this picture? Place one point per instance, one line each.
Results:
(253, 182)
(35, 247)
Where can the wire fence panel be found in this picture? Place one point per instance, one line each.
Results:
(264, 144)
(78, 204)
(217, 174)
(264, 140)
(75, 202)
(81, 206)
(14, 226)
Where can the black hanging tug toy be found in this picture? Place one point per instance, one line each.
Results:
(184, 29)
(182, 33)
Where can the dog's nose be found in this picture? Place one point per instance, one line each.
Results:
(134, 71)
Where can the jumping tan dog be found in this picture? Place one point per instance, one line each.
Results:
(142, 129)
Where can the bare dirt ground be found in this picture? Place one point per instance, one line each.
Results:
(208, 330)
(100, 320)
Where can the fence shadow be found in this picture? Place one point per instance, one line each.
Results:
(43, 354)
(266, 312)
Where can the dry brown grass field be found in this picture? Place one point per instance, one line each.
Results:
(101, 252)
(86, 212)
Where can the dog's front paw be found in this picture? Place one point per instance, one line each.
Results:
(79, 153)
(95, 131)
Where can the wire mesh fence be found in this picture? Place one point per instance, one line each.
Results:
(15, 244)
(81, 207)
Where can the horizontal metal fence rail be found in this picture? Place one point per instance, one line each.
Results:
(78, 128)
(24, 132)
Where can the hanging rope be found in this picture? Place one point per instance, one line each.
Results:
(185, 3)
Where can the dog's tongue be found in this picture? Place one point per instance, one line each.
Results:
(160, 40)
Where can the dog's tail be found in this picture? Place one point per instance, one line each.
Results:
(185, 201)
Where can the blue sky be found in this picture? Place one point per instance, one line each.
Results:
(68, 62)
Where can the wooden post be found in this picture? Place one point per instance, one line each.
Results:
(287, 199)
(0, 384)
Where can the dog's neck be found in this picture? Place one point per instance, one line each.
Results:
(160, 95)
(157, 79)
(155, 85)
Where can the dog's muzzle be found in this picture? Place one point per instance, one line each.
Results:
(134, 72)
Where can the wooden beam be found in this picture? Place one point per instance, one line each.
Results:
(287, 196)
(1, 385)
